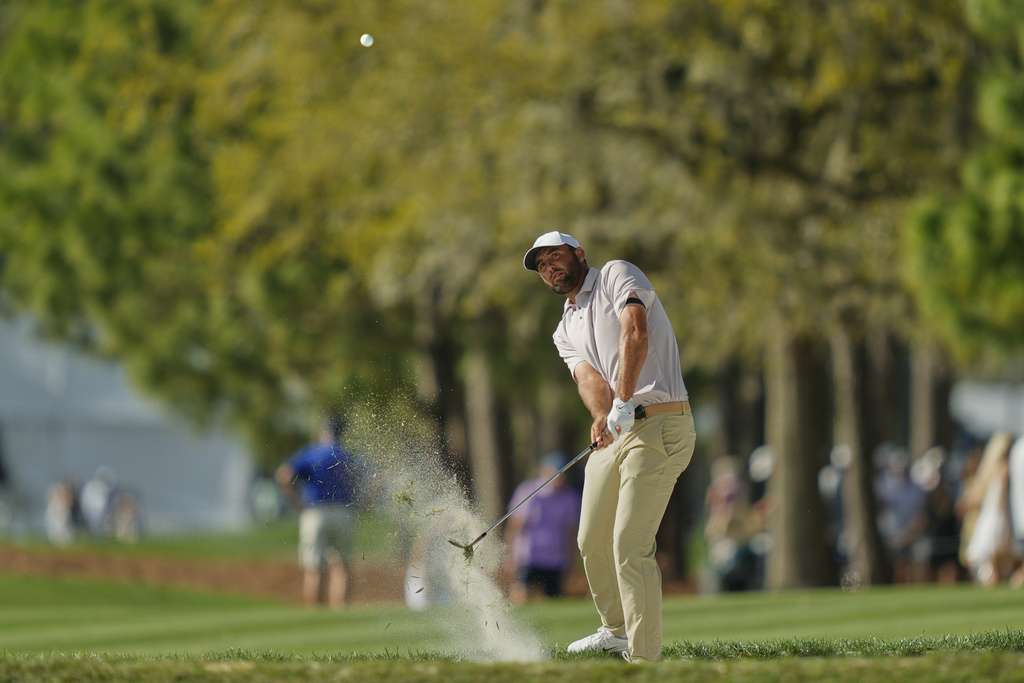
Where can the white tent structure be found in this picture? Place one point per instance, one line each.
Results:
(987, 408)
(64, 415)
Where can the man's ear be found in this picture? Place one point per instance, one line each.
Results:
(581, 256)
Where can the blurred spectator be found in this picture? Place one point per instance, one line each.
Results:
(941, 529)
(830, 486)
(1016, 494)
(965, 503)
(428, 575)
(11, 509)
(734, 528)
(62, 512)
(3, 467)
(901, 501)
(542, 533)
(760, 468)
(321, 481)
(935, 529)
(96, 501)
(987, 548)
(266, 501)
(126, 516)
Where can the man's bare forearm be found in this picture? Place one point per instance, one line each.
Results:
(632, 350)
(597, 397)
(596, 393)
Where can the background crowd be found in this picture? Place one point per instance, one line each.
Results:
(944, 517)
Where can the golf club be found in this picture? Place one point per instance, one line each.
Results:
(468, 547)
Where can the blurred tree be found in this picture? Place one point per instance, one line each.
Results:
(755, 156)
(102, 189)
(107, 206)
(964, 251)
(372, 158)
(265, 217)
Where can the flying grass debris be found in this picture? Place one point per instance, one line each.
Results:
(427, 504)
(405, 496)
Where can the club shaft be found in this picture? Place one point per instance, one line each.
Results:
(554, 476)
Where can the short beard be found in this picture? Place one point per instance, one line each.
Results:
(573, 275)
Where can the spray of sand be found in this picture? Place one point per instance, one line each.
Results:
(428, 507)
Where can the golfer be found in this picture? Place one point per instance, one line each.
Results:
(621, 350)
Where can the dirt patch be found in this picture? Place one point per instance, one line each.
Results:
(274, 580)
(271, 579)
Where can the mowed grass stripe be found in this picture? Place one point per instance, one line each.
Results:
(879, 612)
(33, 590)
(357, 630)
(141, 626)
(164, 624)
(283, 629)
(882, 612)
(49, 615)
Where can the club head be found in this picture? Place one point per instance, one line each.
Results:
(467, 549)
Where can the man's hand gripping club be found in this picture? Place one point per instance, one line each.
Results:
(613, 417)
(621, 417)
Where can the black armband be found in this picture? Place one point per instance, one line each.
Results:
(634, 300)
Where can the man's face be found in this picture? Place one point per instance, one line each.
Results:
(560, 268)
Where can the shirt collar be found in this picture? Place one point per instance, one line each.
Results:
(589, 282)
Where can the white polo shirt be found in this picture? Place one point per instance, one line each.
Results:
(589, 331)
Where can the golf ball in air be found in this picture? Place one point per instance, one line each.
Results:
(366, 40)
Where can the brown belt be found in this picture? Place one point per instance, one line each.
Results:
(677, 408)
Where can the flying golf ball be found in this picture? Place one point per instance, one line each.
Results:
(366, 40)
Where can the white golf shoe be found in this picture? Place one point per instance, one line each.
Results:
(603, 640)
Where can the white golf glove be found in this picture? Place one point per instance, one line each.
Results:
(621, 415)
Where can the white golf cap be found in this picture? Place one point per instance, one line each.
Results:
(548, 239)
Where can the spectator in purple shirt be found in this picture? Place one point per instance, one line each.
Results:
(542, 533)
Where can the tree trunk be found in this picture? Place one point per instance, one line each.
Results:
(866, 558)
(881, 392)
(930, 385)
(741, 405)
(481, 431)
(677, 527)
(438, 390)
(797, 423)
(553, 429)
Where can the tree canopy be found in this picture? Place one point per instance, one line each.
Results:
(965, 249)
(266, 219)
(257, 212)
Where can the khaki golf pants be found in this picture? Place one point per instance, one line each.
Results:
(625, 492)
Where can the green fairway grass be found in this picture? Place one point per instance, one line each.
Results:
(275, 539)
(54, 629)
(64, 629)
(40, 615)
(938, 667)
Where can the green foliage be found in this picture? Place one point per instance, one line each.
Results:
(965, 253)
(108, 215)
(265, 218)
(102, 192)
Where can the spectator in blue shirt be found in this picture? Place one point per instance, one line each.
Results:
(320, 481)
